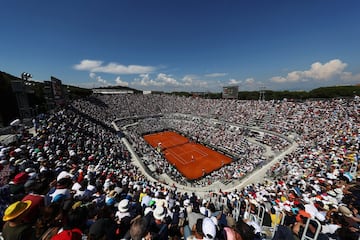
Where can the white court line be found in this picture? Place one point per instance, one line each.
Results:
(176, 156)
(184, 161)
(203, 154)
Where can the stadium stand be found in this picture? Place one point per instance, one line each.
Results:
(78, 176)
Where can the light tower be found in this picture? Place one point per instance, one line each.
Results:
(262, 93)
(25, 76)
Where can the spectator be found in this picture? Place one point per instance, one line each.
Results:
(15, 226)
(139, 229)
(158, 225)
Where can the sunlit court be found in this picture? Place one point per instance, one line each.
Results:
(193, 160)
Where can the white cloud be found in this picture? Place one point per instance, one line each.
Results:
(188, 79)
(161, 80)
(112, 68)
(87, 65)
(146, 81)
(250, 81)
(278, 79)
(101, 80)
(165, 81)
(249, 84)
(317, 71)
(216, 75)
(98, 79)
(92, 75)
(348, 76)
(115, 68)
(192, 80)
(121, 82)
(233, 81)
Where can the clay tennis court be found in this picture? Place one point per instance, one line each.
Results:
(193, 160)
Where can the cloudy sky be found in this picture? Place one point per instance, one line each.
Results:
(184, 45)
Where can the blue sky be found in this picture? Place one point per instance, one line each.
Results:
(184, 45)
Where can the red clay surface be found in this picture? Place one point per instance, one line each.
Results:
(193, 160)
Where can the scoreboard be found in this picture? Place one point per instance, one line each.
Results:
(230, 92)
(56, 86)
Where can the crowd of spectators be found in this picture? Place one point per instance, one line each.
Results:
(247, 156)
(107, 108)
(74, 178)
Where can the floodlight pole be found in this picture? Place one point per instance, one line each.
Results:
(262, 93)
(26, 76)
